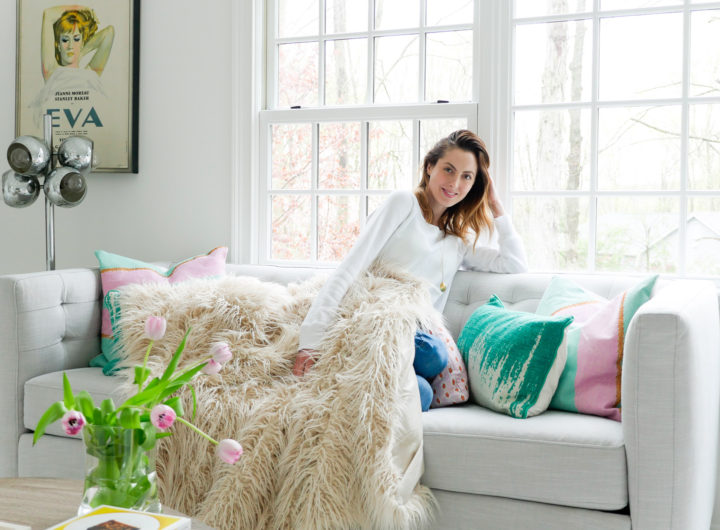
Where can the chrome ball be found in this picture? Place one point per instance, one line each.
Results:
(76, 152)
(65, 187)
(19, 191)
(28, 155)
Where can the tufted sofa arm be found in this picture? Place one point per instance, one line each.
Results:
(670, 407)
(49, 321)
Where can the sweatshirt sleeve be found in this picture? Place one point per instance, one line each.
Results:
(508, 257)
(380, 226)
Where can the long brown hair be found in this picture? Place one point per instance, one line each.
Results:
(472, 213)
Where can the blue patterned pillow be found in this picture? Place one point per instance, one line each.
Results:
(514, 359)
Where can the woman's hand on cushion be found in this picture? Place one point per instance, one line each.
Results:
(303, 361)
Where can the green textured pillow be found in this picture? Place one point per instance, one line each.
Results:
(514, 359)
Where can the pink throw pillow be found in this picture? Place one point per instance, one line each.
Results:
(450, 386)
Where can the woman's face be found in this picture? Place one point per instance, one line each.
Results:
(70, 45)
(451, 178)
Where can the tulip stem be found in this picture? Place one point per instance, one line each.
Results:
(211, 439)
(145, 360)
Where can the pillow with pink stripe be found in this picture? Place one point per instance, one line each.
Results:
(450, 386)
(117, 271)
(591, 380)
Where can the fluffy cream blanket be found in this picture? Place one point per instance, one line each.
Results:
(340, 448)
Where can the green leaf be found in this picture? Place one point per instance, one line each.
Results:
(175, 359)
(141, 374)
(53, 413)
(150, 437)
(163, 435)
(85, 403)
(175, 404)
(130, 418)
(67, 393)
(97, 416)
(192, 391)
(108, 410)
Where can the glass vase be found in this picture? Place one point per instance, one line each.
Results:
(120, 468)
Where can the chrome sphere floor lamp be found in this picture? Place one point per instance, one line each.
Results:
(31, 159)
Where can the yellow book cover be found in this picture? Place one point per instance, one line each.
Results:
(112, 518)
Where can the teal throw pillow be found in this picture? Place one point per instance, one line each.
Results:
(514, 359)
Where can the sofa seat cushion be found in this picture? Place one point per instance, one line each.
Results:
(44, 390)
(556, 457)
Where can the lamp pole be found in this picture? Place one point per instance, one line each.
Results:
(49, 206)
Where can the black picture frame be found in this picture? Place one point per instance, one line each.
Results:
(81, 65)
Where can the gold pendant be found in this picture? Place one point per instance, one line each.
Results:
(442, 287)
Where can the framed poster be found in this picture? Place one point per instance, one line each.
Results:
(79, 63)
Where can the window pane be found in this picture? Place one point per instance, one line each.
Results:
(553, 62)
(552, 150)
(538, 8)
(705, 54)
(393, 14)
(298, 74)
(339, 157)
(704, 147)
(373, 201)
(637, 234)
(297, 18)
(448, 71)
(291, 156)
(396, 69)
(639, 148)
(390, 165)
(703, 236)
(345, 71)
(554, 230)
(338, 225)
(432, 131)
(641, 56)
(631, 4)
(290, 227)
(442, 12)
(345, 16)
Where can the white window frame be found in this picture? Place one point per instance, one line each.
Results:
(686, 7)
(352, 113)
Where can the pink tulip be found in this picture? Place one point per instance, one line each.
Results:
(220, 352)
(73, 422)
(229, 451)
(212, 367)
(162, 416)
(155, 327)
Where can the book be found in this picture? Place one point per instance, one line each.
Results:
(112, 518)
(13, 526)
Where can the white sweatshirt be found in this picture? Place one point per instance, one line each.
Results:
(397, 233)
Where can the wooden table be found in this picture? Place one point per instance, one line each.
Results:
(44, 502)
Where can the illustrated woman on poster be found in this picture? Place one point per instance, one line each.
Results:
(74, 54)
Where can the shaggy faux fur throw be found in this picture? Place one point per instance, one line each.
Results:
(324, 451)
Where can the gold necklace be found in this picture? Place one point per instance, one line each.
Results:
(442, 266)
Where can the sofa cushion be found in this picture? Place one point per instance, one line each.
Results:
(591, 380)
(556, 457)
(514, 358)
(118, 271)
(44, 390)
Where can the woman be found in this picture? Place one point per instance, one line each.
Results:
(69, 37)
(430, 233)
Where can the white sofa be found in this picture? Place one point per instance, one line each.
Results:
(655, 470)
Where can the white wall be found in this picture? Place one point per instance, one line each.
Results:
(177, 205)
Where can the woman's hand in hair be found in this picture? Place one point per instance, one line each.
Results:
(304, 360)
(494, 202)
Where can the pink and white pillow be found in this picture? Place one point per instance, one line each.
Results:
(450, 387)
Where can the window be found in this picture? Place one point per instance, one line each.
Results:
(602, 118)
(351, 109)
(615, 135)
